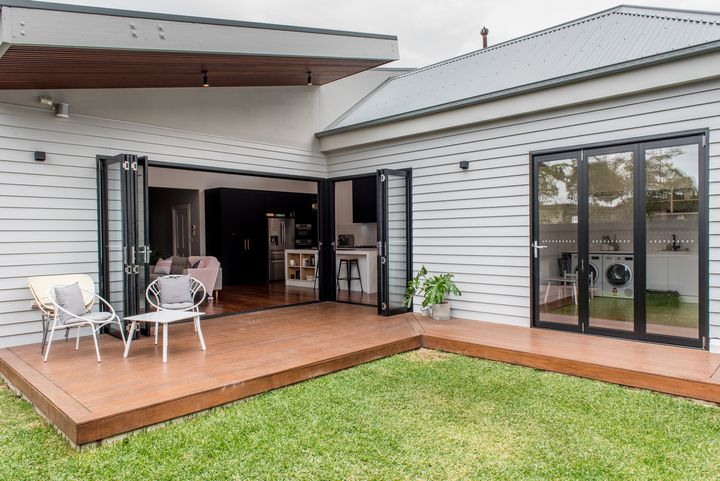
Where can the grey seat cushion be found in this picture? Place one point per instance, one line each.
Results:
(174, 290)
(98, 316)
(71, 299)
(177, 306)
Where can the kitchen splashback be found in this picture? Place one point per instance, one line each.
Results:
(364, 234)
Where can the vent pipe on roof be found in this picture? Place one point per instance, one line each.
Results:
(484, 32)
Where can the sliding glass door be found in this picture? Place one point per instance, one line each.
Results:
(620, 240)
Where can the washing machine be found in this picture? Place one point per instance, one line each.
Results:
(618, 278)
(595, 270)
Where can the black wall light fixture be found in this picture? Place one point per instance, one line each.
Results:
(464, 164)
(39, 156)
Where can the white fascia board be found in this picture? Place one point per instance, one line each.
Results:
(4, 31)
(683, 71)
(29, 26)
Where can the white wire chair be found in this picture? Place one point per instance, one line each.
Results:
(39, 286)
(197, 289)
(94, 320)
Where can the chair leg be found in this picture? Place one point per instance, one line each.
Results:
(337, 276)
(77, 339)
(47, 349)
(122, 333)
(198, 329)
(357, 266)
(45, 327)
(157, 326)
(97, 348)
(67, 334)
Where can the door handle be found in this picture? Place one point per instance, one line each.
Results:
(536, 248)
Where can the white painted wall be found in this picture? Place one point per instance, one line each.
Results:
(476, 223)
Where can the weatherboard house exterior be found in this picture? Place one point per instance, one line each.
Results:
(567, 178)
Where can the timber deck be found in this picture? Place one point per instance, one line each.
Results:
(252, 353)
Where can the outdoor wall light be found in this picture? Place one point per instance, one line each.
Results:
(39, 156)
(464, 164)
(206, 82)
(62, 110)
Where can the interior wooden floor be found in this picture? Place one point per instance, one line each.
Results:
(251, 297)
(252, 353)
(356, 297)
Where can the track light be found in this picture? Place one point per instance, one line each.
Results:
(309, 78)
(206, 82)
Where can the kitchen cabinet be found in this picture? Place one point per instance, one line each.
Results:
(364, 196)
(683, 275)
(668, 271)
(236, 228)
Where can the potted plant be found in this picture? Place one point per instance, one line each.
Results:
(433, 290)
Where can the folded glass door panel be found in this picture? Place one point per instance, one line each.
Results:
(394, 236)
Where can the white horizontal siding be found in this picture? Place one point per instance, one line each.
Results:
(48, 210)
(476, 223)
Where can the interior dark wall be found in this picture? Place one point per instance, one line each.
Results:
(162, 201)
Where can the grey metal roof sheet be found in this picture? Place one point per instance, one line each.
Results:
(614, 37)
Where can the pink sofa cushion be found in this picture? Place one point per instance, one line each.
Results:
(163, 266)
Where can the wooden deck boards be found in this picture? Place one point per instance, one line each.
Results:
(252, 353)
(669, 369)
(246, 355)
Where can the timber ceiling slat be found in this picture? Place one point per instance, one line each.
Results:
(24, 67)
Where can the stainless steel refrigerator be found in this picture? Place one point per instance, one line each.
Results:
(281, 236)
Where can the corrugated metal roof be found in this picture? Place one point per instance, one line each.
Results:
(612, 37)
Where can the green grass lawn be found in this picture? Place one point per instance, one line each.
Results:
(420, 415)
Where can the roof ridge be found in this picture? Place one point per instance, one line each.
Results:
(619, 9)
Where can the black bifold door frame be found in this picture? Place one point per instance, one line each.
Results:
(638, 146)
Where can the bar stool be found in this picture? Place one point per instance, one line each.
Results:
(349, 262)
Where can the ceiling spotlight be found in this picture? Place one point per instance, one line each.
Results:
(309, 82)
(206, 82)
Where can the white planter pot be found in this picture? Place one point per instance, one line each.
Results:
(441, 312)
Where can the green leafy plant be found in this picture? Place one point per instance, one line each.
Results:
(432, 289)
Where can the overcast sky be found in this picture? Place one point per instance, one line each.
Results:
(428, 30)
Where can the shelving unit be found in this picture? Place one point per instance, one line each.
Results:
(300, 267)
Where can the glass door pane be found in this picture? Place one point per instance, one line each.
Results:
(394, 235)
(610, 237)
(672, 180)
(555, 248)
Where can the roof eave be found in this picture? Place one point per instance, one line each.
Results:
(546, 84)
(113, 12)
